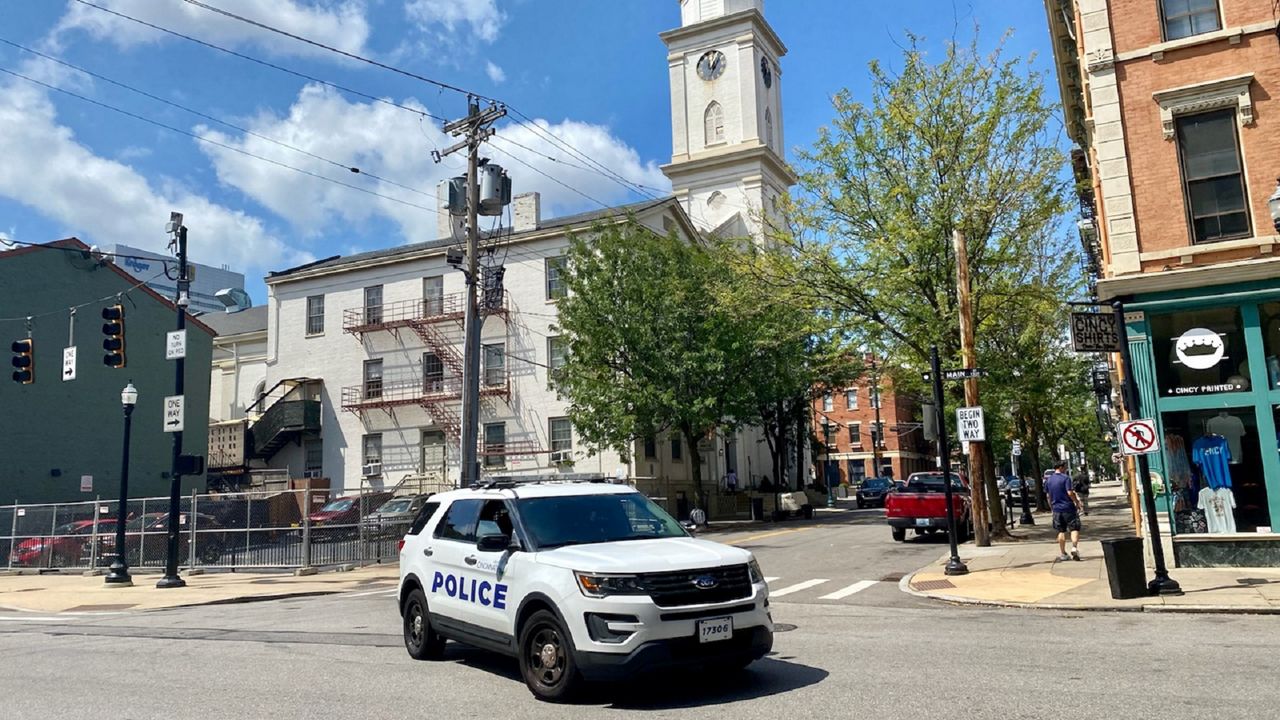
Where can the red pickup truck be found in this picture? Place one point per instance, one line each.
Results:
(921, 505)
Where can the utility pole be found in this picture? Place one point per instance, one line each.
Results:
(969, 352)
(954, 565)
(875, 397)
(475, 128)
(182, 298)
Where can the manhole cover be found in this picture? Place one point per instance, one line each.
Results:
(932, 585)
(98, 608)
(893, 577)
(783, 627)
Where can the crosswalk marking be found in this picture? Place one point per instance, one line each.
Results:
(846, 592)
(797, 587)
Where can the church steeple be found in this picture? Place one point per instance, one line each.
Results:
(727, 160)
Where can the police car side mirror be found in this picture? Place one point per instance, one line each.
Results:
(494, 543)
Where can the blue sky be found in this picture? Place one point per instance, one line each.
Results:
(594, 71)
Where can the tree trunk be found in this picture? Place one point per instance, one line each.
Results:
(995, 505)
(691, 441)
(802, 444)
(1033, 430)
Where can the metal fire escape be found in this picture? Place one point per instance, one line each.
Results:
(434, 321)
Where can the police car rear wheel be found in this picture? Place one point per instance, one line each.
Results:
(420, 639)
(546, 658)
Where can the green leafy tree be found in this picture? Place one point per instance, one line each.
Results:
(964, 143)
(650, 350)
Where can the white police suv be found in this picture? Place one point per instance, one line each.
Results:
(577, 581)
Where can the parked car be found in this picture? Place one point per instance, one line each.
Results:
(348, 509)
(922, 506)
(66, 547)
(872, 491)
(146, 539)
(395, 515)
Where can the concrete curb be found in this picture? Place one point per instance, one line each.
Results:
(905, 586)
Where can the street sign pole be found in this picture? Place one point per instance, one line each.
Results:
(954, 565)
(171, 578)
(1162, 584)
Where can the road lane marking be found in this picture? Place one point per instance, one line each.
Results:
(846, 592)
(770, 579)
(367, 593)
(762, 536)
(797, 587)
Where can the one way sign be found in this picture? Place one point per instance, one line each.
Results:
(173, 413)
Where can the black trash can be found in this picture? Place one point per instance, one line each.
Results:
(757, 508)
(1126, 568)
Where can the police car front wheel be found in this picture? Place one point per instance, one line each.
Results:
(420, 639)
(546, 658)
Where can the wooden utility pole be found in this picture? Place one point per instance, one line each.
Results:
(978, 485)
(475, 130)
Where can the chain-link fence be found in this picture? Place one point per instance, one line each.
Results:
(263, 529)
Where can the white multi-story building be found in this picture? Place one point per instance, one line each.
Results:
(374, 340)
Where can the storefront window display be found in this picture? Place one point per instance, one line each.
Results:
(1269, 314)
(1200, 352)
(1213, 464)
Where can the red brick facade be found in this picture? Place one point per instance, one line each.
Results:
(846, 432)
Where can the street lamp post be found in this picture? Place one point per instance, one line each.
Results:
(119, 575)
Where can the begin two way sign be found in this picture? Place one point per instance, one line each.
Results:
(970, 425)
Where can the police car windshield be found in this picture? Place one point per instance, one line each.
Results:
(584, 519)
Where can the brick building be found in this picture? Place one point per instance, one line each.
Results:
(845, 424)
(1168, 102)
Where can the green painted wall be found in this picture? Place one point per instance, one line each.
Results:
(52, 432)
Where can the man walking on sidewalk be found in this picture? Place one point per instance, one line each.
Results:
(1066, 511)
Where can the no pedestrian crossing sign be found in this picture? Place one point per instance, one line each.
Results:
(1138, 437)
(970, 424)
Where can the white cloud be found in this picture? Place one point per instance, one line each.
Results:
(446, 18)
(393, 144)
(104, 201)
(340, 24)
(496, 73)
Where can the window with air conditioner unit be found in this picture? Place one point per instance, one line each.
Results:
(371, 455)
(371, 469)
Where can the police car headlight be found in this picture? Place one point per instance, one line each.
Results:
(598, 586)
(753, 569)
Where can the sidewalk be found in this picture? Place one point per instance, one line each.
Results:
(57, 593)
(1024, 572)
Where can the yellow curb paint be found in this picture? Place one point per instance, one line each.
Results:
(762, 536)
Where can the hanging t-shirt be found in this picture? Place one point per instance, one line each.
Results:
(1228, 500)
(1231, 428)
(1217, 510)
(1210, 452)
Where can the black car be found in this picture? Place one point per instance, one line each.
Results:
(872, 491)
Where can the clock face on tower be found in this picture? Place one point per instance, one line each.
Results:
(766, 72)
(711, 65)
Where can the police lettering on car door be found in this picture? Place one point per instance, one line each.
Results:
(480, 592)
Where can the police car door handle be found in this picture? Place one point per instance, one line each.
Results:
(426, 551)
(470, 559)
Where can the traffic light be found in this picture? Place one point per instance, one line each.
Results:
(113, 329)
(24, 361)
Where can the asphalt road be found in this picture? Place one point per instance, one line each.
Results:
(871, 653)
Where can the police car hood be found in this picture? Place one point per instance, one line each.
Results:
(644, 556)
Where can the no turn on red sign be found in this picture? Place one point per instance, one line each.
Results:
(1138, 437)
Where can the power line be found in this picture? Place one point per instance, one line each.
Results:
(553, 179)
(629, 185)
(527, 121)
(264, 63)
(233, 126)
(232, 148)
(438, 83)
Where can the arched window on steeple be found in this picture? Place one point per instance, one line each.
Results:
(713, 122)
(768, 127)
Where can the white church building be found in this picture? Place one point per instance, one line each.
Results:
(372, 342)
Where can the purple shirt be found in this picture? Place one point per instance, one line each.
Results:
(1058, 486)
